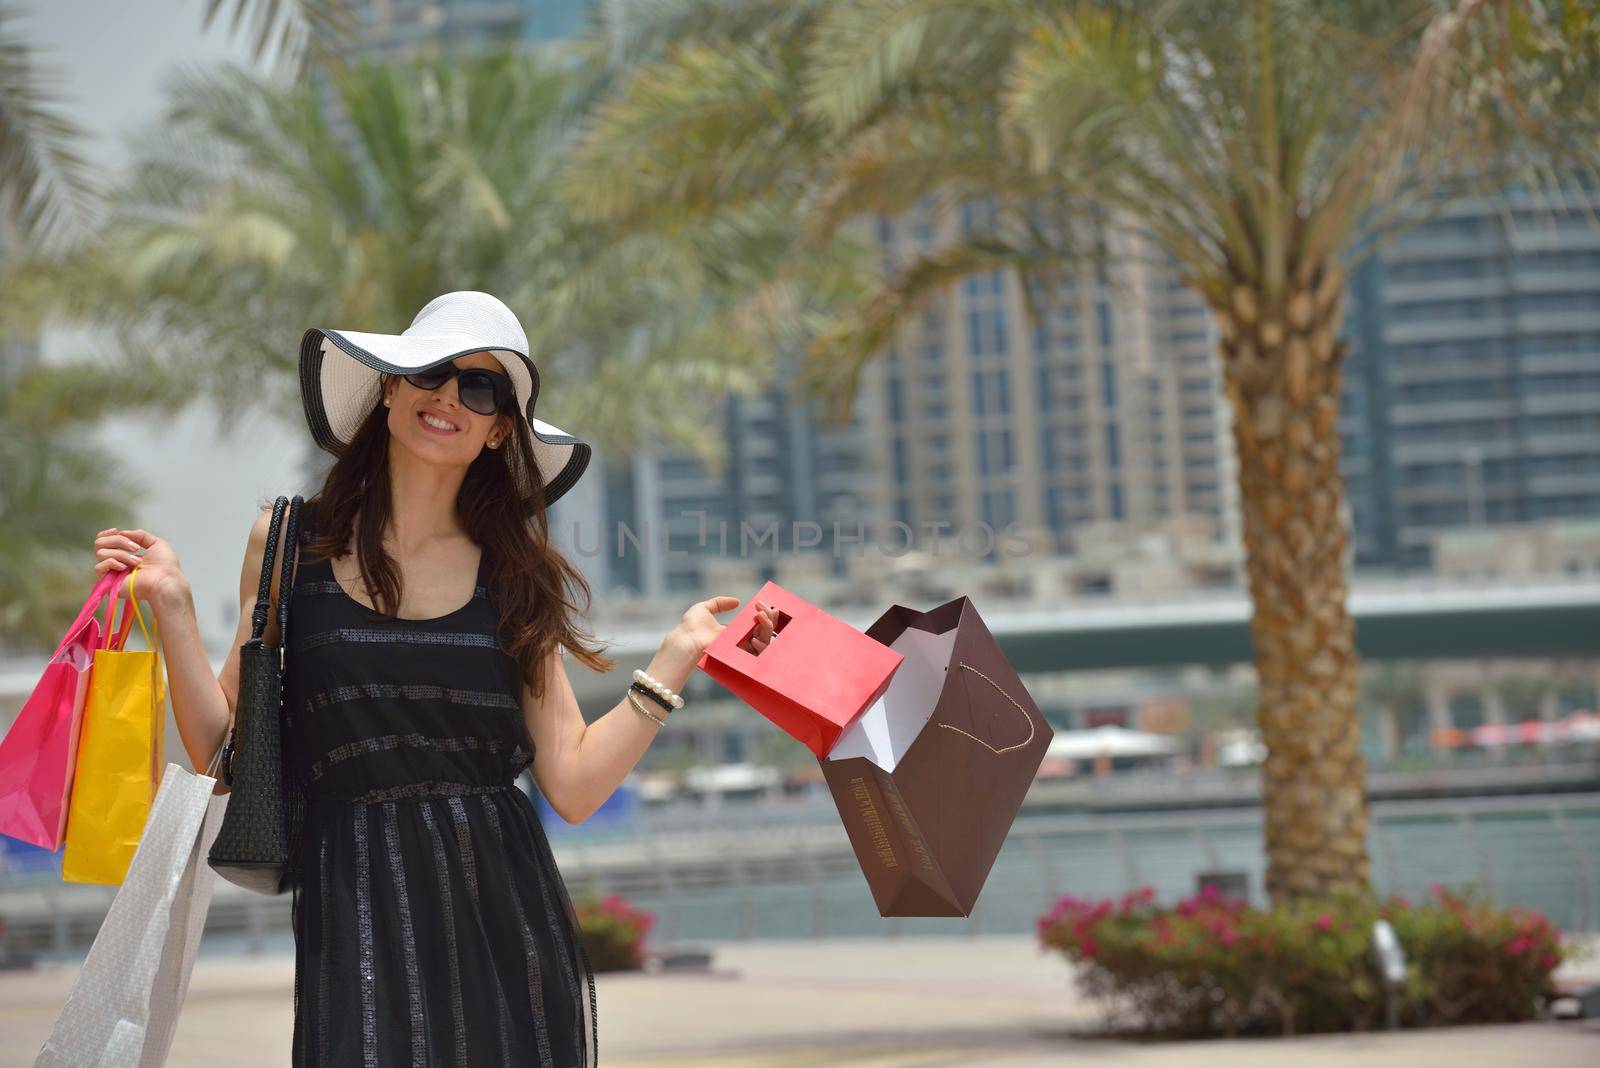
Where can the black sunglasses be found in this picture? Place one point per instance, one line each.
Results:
(484, 392)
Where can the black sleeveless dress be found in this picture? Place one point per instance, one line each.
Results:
(431, 925)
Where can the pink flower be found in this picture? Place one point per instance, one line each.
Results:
(1227, 936)
(1325, 922)
(1549, 961)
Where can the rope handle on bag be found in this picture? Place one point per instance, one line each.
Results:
(1020, 745)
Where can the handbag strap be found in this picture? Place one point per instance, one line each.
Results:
(258, 618)
(291, 557)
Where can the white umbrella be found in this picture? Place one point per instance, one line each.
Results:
(1112, 742)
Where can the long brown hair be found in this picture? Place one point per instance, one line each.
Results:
(536, 588)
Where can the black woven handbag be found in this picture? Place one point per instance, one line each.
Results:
(257, 846)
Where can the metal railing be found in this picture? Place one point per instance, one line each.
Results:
(788, 871)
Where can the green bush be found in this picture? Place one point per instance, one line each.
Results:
(1209, 966)
(613, 932)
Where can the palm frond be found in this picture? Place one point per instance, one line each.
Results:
(46, 186)
(321, 30)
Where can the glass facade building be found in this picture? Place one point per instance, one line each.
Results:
(1472, 392)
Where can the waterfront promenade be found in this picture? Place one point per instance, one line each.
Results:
(840, 1003)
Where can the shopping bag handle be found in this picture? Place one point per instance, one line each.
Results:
(91, 605)
(1020, 745)
(118, 621)
(790, 607)
(133, 603)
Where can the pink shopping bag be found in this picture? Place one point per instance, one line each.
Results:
(39, 752)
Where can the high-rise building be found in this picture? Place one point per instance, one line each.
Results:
(1104, 407)
(1472, 392)
(397, 27)
(788, 480)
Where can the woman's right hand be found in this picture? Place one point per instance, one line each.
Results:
(122, 550)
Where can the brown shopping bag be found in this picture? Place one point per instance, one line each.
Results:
(929, 778)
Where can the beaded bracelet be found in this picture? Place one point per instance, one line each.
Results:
(654, 688)
(639, 687)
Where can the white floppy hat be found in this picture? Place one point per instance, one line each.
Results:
(340, 379)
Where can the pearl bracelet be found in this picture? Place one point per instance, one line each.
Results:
(666, 696)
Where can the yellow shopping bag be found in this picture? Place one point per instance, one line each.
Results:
(119, 755)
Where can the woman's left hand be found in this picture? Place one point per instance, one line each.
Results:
(698, 628)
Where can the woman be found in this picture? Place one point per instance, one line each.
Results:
(428, 620)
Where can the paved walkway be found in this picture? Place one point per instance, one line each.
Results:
(913, 1003)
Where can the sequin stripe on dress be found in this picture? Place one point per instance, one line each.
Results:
(553, 875)
(469, 866)
(530, 950)
(302, 1032)
(392, 636)
(458, 1018)
(369, 976)
(397, 872)
(328, 587)
(366, 691)
(322, 957)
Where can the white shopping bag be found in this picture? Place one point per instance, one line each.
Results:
(123, 1007)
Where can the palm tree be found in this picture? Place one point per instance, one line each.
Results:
(56, 483)
(250, 215)
(1259, 147)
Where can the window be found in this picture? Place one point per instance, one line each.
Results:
(986, 331)
(1113, 446)
(991, 392)
(996, 452)
(987, 284)
(999, 508)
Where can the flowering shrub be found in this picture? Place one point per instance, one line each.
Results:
(613, 932)
(1210, 966)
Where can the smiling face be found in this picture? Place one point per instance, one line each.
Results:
(434, 423)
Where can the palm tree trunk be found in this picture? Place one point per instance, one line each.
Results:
(1281, 369)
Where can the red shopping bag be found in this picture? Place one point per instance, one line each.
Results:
(39, 752)
(816, 675)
